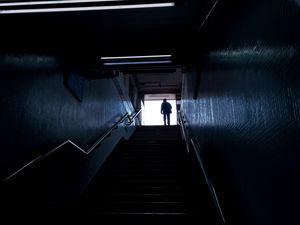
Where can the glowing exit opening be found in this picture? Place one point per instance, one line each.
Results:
(151, 114)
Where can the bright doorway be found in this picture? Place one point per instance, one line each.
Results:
(151, 109)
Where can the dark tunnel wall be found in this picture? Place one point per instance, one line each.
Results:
(38, 111)
(246, 114)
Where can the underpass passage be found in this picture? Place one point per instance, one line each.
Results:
(150, 179)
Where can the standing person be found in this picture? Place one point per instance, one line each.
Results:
(166, 110)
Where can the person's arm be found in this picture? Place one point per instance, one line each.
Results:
(161, 108)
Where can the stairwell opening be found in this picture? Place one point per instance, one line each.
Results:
(151, 115)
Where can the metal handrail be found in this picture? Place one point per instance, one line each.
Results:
(211, 188)
(132, 117)
(86, 152)
(121, 120)
(197, 150)
(183, 130)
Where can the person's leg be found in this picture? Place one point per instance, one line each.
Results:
(168, 117)
(165, 119)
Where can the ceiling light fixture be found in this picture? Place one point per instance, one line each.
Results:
(136, 63)
(136, 57)
(84, 8)
(136, 60)
(54, 2)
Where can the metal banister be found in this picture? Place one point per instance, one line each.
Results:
(197, 149)
(133, 116)
(211, 188)
(121, 120)
(86, 152)
(183, 130)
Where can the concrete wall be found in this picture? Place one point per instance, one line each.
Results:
(38, 112)
(246, 113)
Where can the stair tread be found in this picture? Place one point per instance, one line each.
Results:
(147, 175)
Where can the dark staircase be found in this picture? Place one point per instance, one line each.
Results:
(150, 179)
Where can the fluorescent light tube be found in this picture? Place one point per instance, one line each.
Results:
(54, 2)
(136, 63)
(136, 57)
(88, 8)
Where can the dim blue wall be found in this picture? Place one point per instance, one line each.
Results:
(38, 112)
(246, 113)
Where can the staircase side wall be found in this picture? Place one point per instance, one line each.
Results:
(246, 114)
(38, 110)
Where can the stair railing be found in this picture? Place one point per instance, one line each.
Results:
(190, 140)
(132, 117)
(126, 117)
(183, 130)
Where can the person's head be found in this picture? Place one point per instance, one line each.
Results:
(165, 99)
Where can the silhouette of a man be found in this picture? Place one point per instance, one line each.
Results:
(166, 110)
